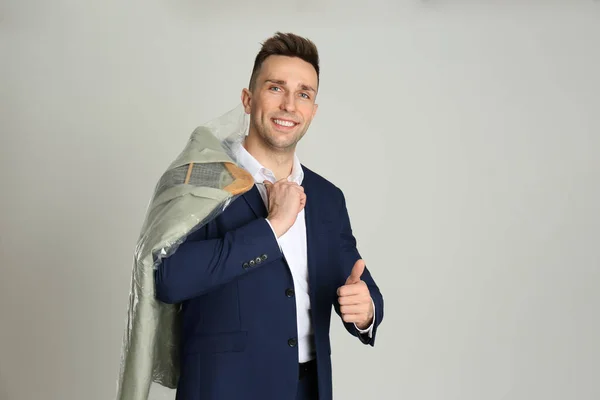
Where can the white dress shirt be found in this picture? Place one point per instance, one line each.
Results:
(293, 246)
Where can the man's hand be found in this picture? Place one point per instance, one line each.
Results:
(355, 300)
(286, 200)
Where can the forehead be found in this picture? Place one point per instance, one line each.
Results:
(293, 70)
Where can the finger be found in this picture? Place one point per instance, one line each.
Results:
(297, 187)
(353, 318)
(301, 206)
(353, 289)
(355, 309)
(303, 199)
(268, 185)
(354, 299)
(357, 271)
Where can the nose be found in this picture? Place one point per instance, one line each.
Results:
(288, 102)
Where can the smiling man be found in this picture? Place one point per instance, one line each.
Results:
(259, 282)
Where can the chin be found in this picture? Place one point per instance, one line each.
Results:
(281, 143)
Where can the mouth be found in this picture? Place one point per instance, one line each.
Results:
(283, 124)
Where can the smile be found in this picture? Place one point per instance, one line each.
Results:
(284, 123)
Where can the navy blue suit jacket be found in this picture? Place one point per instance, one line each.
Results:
(238, 316)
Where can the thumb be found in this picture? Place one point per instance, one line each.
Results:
(357, 271)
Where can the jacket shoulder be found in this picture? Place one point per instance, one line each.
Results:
(325, 186)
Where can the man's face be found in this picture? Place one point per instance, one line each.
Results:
(282, 104)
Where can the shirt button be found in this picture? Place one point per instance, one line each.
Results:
(289, 292)
(292, 342)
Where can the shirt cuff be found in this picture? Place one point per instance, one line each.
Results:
(369, 330)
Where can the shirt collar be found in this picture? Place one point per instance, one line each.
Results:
(260, 173)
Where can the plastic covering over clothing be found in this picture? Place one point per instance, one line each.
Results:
(195, 188)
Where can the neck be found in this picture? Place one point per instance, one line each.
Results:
(280, 162)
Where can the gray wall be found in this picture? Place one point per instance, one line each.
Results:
(464, 134)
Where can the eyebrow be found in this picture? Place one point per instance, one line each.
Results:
(281, 82)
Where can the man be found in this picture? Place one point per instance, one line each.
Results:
(258, 283)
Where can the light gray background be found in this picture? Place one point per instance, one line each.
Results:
(465, 135)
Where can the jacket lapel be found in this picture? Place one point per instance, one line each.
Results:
(312, 226)
(255, 202)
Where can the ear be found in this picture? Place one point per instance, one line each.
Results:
(315, 108)
(246, 97)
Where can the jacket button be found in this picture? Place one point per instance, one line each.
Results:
(258, 260)
(289, 292)
(263, 257)
(252, 263)
(245, 265)
(292, 342)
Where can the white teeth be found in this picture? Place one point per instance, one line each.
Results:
(284, 123)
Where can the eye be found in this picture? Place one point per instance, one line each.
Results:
(306, 96)
(274, 87)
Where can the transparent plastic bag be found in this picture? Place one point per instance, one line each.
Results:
(196, 187)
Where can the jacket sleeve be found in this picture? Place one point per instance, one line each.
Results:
(349, 254)
(200, 265)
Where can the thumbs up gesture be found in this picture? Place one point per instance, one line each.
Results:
(355, 299)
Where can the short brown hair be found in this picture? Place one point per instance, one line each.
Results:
(286, 44)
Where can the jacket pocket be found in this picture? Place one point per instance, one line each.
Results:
(217, 342)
